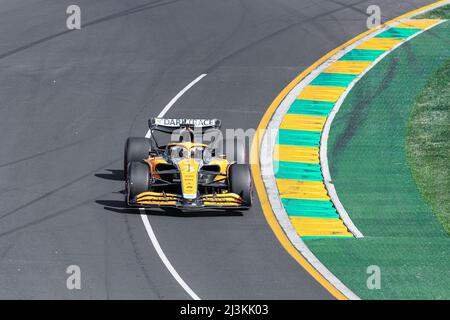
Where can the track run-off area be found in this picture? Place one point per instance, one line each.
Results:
(71, 98)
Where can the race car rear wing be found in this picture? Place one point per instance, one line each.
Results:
(170, 125)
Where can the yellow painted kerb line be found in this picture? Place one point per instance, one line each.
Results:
(256, 170)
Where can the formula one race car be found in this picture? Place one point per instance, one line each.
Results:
(184, 174)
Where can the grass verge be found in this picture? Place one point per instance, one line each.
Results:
(428, 144)
(439, 13)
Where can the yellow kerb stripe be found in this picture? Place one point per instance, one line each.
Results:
(319, 227)
(303, 122)
(418, 24)
(296, 154)
(296, 189)
(321, 93)
(379, 44)
(348, 67)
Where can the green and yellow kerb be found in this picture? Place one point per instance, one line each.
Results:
(298, 173)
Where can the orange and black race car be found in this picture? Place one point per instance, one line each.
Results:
(183, 173)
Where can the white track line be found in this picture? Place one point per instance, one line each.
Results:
(174, 99)
(144, 217)
(164, 259)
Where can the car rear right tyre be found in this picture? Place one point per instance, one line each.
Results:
(239, 151)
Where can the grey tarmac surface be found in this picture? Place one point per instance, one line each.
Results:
(69, 99)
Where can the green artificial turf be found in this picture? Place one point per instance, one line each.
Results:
(373, 179)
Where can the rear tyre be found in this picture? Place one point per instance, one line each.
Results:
(138, 179)
(136, 149)
(240, 182)
(239, 151)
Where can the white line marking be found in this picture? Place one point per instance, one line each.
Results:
(163, 257)
(267, 173)
(144, 217)
(174, 99)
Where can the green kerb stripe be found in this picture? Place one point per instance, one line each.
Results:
(362, 55)
(297, 171)
(324, 204)
(333, 79)
(298, 138)
(311, 107)
(398, 33)
(309, 208)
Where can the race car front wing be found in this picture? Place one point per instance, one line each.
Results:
(208, 201)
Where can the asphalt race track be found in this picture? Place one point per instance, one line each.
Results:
(68, 101)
